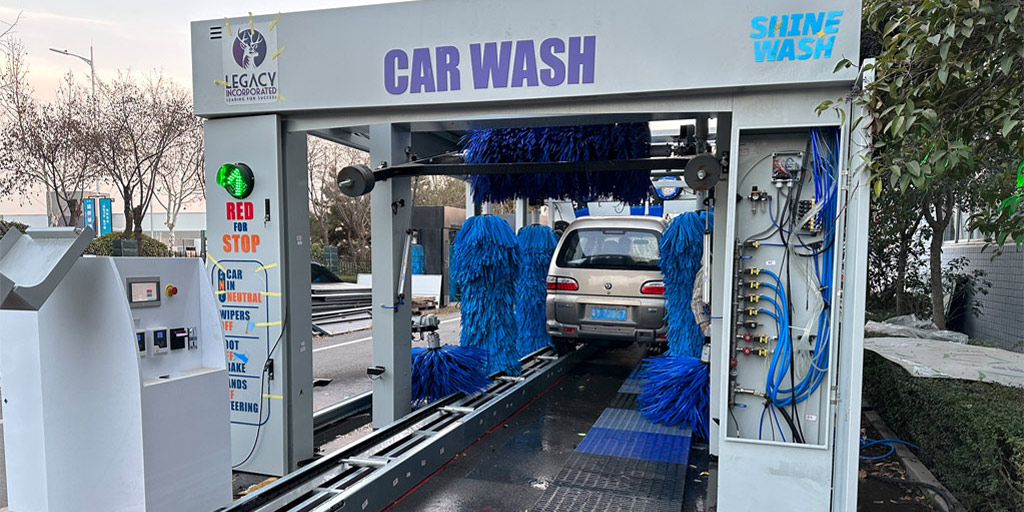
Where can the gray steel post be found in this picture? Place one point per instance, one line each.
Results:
(391, 213)
(522, 211)
(297, 352)
(851, 346)
(470, 205)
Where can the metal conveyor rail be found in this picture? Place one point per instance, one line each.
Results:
(374, 472)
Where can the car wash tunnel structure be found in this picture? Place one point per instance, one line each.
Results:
(136, 370)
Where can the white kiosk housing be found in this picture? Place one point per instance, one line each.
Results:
(115, 389)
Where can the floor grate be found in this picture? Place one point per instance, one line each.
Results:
(623, 463)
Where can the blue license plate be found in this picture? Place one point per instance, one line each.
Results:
(616, 314)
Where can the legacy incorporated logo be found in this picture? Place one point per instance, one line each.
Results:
(249, 49)
(250, 72)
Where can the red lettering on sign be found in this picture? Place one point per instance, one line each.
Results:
(239, 211)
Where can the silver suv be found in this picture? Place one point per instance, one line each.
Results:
(604, 282)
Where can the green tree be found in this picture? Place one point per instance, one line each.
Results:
(946, 107)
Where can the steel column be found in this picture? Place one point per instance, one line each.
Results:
(391, 212)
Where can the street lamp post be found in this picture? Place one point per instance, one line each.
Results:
(89, 61)
(92, 79)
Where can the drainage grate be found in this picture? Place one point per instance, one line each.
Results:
(623, 463)
(624, 401)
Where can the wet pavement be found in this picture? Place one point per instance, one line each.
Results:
(511, 468)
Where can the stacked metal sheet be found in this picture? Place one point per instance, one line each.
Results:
(340, 307)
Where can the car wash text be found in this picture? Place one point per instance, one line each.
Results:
(798, 36)
(497, 64)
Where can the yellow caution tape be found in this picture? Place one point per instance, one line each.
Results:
(271, 294)
(251, 28)
(278, 397)
(221, 82)
(215, 262)
(265, 267)
(280, 97)
(268, 324)
(273, 23)
(227, 26)
(278, 52)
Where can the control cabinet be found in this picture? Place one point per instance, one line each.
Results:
(781, 349)
(119, 379)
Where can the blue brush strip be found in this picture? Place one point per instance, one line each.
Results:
(675, 392)
(437, 373)
(555, 144)
(536, 245)
(676, 386)
(680, 250)
(485, 265)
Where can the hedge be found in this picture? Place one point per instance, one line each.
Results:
(6, 225)
(971, 434)
(104, 246)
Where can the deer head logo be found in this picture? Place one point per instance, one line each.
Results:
(249, 49)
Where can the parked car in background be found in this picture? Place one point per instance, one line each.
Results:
(604, 283)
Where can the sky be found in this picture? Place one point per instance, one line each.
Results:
(139, 35)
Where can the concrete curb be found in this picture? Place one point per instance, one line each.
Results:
(916, 470)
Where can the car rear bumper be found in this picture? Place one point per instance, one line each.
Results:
(569, 316)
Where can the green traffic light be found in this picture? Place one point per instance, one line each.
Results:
(237, 179)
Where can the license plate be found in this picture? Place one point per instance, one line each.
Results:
(616, 314)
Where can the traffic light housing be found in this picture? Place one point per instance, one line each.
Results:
(237, 179)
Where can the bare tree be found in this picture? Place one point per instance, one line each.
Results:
(328, 208)
(7, 27)
(139, 124)
(440, 191)
(15, 92)
(181, 178)
(48, 144)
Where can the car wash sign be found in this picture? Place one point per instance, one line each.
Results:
(249, 54)
(552, 62)
(402, 54)
(796, 36)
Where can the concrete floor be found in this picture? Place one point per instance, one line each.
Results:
(343, 359)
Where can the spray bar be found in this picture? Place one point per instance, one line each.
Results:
(357, 180)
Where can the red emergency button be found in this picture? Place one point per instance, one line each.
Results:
(171, 290)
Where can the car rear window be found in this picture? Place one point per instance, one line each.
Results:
(610, 248)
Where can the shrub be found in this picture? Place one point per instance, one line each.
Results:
(104, 246)
(971, 434)
(6, 225)
(316, 253)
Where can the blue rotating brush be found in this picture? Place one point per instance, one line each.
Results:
(675, 388)
(485, 264)
(440, 370)
(536, 245)
(560, 144)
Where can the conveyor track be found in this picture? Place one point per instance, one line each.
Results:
(377, 470)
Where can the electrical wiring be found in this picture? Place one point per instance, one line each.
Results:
(263, 375)
(823, 167)
(866, 442)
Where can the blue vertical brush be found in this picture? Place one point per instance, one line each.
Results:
(675, 388)
(485, 264)
(536, 245)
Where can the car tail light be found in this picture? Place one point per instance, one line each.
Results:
(653, 288)
(562, 284)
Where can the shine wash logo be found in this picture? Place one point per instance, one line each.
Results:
(797, 36)
(250, 71)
